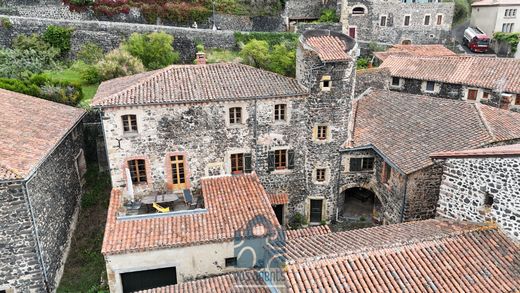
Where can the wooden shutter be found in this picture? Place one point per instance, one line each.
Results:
(355, 164)
(290, 159)
(270, 160)
(247, 163)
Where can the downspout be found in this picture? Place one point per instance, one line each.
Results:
(404, 197)
(255, 132)
(36, 234)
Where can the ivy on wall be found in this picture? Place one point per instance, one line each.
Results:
(511, 38)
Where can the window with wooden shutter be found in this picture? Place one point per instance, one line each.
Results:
(237, 163)
(248, 163)
(290, 159)
(439, 19)
(271, 161)
(137, 171)
(386, 173)
(280, 159)
(472, 94)
(485, 95)
(129, 123)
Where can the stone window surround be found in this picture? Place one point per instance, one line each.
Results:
(245, 115)
(280, 171)
(436, 87)
(327, 175)
(147, 168)
(168, 168)
(429, 20)
(401, 83)
(437, 17)
(365, 10)
(315, 133)
(227, 158)
(8, 290)
(386, 20)
(138, 121)
(308, 208)
(322, 83)
(409, 20)
(480, 94)
(288, 111)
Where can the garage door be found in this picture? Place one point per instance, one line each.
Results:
(149, 279)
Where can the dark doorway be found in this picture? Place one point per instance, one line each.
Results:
(316, 210)
(361, 204)
(136, 281)
(278, 211)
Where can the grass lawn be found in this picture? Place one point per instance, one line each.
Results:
(85, 266)
(219, 55)
(71, 75)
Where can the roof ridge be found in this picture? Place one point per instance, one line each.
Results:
(484, 122)
(488, 226)
(352, 117)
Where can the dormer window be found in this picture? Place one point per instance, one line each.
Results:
(129, 123)
(326, 83)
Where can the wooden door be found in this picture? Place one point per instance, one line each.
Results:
(178, 172)
(352, 32)
(472, 95)
(316, 210)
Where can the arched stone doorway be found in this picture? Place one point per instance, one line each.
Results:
(361, 204)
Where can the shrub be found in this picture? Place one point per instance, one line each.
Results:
(256, 53)
(290, 40)
(32, 42)
(90, 53)
(297, 221)
(328, 15)
(19, 86)
(511, 38)
(58, 37)
(155, 50)
(118, 63)
(362, 62)
(6, 23)
(23, 63)
(283, 60)
(200, 47)
(88, 72)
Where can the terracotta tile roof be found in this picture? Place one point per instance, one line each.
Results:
(279, 198)
(408, 128)
(225, 200)
(495, 2)
(477, 261)
(368, 239)
(196, 83)
(489, 73)
(505, 150)
(30, 128)
(416, 51)
(307, 232)
(329, 48)
(247, 281)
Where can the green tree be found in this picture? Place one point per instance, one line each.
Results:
(58, 37)
(155, 50)
(461, 11)
(118, 63)
(282, 60)
(328, 15)
(23, 63)
(34, 42)
(90, 53)
(256, 53)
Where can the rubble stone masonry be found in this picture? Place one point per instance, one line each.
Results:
(466, 184)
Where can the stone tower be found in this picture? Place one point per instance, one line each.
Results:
(326, 65)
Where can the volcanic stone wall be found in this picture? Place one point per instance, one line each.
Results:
(468, 181)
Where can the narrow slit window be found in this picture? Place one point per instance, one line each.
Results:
(427, 20)
(407, 20)
(439, 19)
(382, 21)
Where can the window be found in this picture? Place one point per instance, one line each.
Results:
(396, 81)
(137, 171)
(326, 83)
(517, 100)
(321, 132)
(143, 280)
(129, 123)
(427, 19)
(485, 95)
(439, 19)
(280, 112)
(235, 115)
(281, 160)
(361, 164)
(488, 200)
(320, 175)
(510, 13)
(430, 86)
(81, 166)
(231, 262)
(382, 20)
(352, 32)
(386, 172)
(472, 94)
(507, 27)
(178, 172)
(240, 163)
(358, 10)
(407, 20)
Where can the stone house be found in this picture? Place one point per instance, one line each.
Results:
(173, 126)
(41, 177)
(148, 250)
(387, 173)
(482, 186)
(491, 81)
(432, 255)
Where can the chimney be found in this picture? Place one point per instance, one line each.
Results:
(343, 18)
(201, 58)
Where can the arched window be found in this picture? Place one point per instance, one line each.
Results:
(358, 10)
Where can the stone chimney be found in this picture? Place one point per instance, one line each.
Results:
(343, 17)
(201, 58)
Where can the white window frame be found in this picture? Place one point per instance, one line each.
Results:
(392, 83)
(426, 90)
(327, 78)
(409, 20)
(437, 17)
(429, 21)
(386, 20)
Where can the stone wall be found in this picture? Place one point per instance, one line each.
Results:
(368, 25)
(20, 267)
(422, 193)
(371, 78)
(307, 9)
(110, 34)
(466, 183)
(55, 191)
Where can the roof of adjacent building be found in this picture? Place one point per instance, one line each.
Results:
(225, 199)
(407, 128)
(278, 198)
(495, 3)
(498, 151)
(245, 281)
(330, 46)
(30, 129)
(195, 83)
(490, 73)
(307, 232)
(415, 50)
(474, 261)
